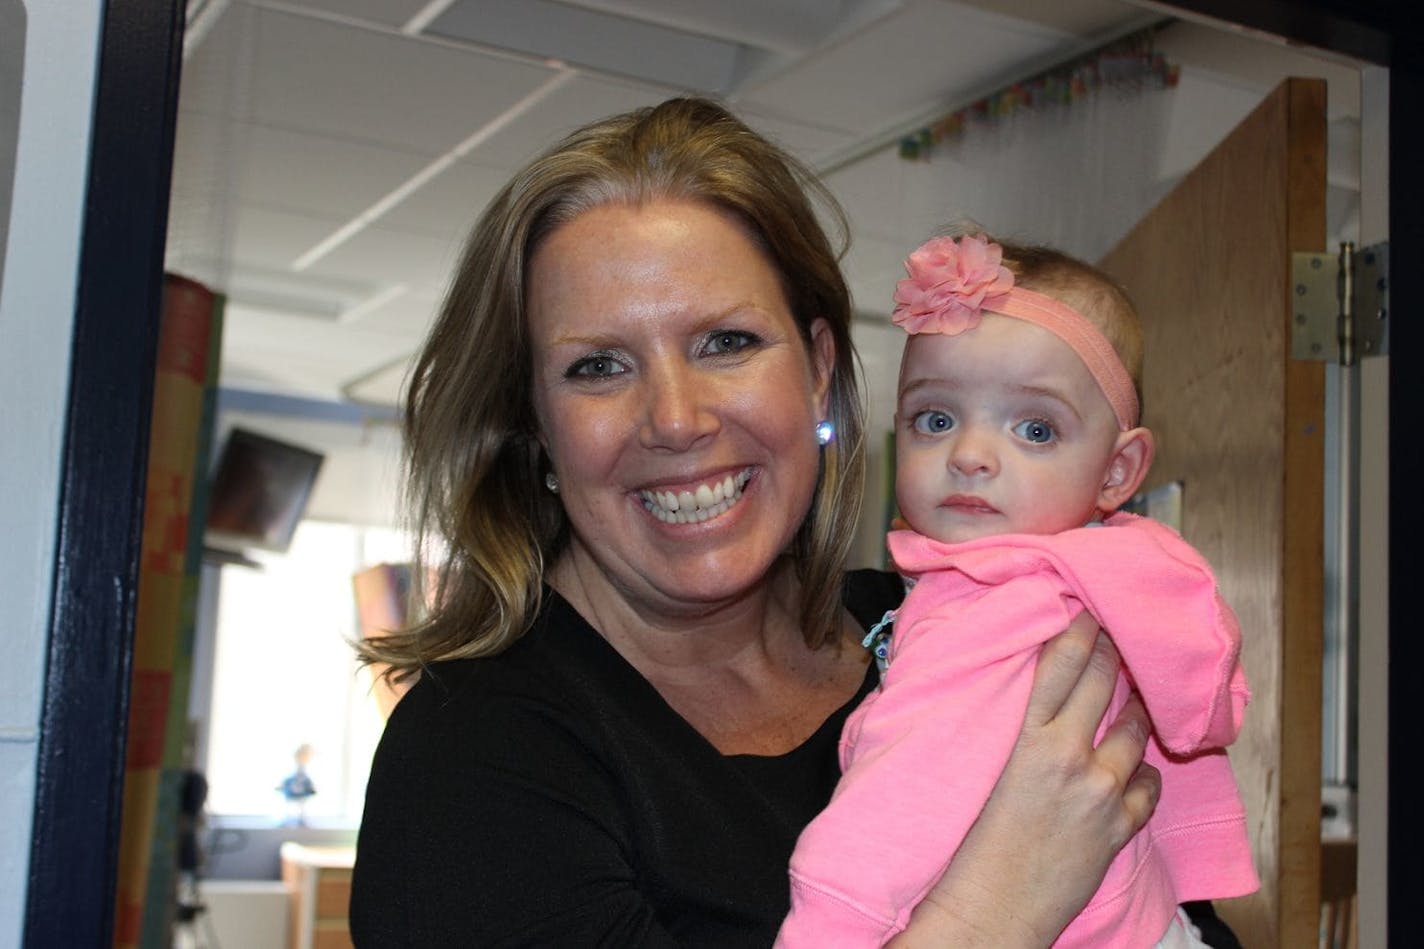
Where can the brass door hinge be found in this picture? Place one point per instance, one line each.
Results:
(1340, 304)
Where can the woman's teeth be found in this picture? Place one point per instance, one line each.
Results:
(689, 507)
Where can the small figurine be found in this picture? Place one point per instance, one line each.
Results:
(297, 787)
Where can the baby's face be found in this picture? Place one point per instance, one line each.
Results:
(999, 430)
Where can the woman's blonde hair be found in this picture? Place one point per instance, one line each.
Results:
(474, 468)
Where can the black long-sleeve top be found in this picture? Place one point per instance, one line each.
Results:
(549, 797)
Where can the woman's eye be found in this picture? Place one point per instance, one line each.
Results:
(933, 422)
(596, 366)
(723, 342)
(1034, 430)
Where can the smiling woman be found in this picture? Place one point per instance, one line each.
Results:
(643, 644)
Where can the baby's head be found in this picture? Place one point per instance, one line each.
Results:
(1019, 397)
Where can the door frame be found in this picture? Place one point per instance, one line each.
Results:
(84, 712)
(74, 840)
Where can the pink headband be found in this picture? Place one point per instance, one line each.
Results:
(952, 282)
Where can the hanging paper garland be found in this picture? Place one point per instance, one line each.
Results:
(1129, 62)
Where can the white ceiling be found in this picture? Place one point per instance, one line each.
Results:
(331, 154)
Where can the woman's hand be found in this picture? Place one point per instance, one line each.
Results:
(1059, 813)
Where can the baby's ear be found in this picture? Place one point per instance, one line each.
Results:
(1131, 459)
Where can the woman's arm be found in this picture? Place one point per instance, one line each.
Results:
(1059, 813)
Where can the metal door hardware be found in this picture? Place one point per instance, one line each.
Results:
(1340, 304)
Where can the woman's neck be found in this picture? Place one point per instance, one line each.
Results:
(740, 673)
(654, 632)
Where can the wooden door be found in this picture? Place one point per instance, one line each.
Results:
(1241, 425)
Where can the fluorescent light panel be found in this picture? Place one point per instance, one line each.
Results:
(600, 41)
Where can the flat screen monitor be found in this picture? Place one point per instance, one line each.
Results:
(259, 493)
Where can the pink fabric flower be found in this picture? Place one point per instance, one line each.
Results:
(948, 283)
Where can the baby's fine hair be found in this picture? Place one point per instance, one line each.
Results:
(1101, 299)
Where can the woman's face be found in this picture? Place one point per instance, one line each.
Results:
(675, 398)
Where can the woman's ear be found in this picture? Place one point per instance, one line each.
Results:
(1131, 459)
(823, 364)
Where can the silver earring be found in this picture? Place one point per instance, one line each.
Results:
(551, 481)
(825, 432)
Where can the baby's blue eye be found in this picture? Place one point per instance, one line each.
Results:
(723, 342)
(933, 422)
(1034, 430)
(597, 366)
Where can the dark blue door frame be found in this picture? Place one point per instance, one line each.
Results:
(79, 782)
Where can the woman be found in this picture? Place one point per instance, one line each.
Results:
(636, 424)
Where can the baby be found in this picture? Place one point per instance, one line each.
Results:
(1017, 438)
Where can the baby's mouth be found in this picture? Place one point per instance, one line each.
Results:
(702, 503)
(969, 504)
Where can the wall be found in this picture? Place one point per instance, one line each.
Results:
(54, 95)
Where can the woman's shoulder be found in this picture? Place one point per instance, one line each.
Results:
(558, 679)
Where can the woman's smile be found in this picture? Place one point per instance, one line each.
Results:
(701, 503)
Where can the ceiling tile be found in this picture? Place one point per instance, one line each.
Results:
(380, 87)
(206, 153)
(810, 143)
(1082, 18)
(610, 43)
(1258, 65)
(916, 69)
(218, 64)
(395, 13)
(447, 205)
(268, 238)
(570, 106)
(292, 171)
(407, 316)
(415, 260)
(298, 354)
(788, 26)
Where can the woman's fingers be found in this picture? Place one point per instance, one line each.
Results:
(1141, 797)
(1121, 748)
(1074, 678)
(1086, 704)
(1120, 755)
(1073, 687)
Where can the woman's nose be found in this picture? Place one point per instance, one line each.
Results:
(972, 452)
(677, 413)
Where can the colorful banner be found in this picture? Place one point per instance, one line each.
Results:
(1130, 63)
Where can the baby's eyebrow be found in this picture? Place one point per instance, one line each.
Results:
(1045, 392)
(925, 382)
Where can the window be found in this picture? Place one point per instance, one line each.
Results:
(285, 676)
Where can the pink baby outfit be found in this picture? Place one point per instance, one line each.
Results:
(921, 754)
